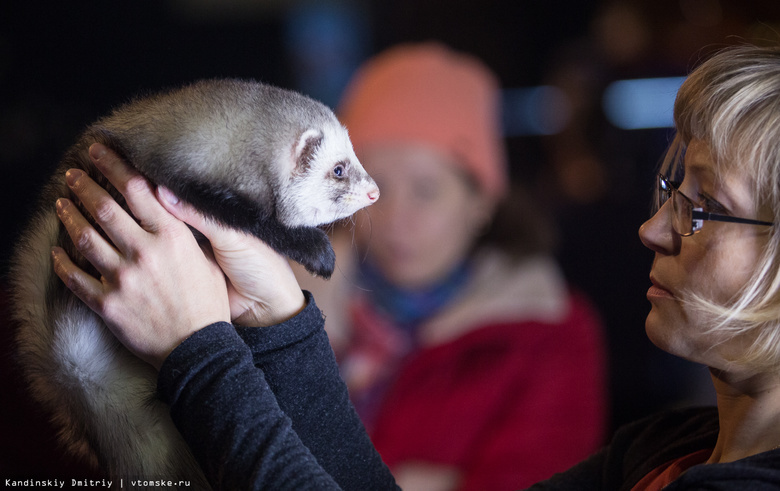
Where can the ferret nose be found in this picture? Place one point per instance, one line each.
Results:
(373, 195)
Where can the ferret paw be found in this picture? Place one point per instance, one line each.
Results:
(311, 248)
(320, 263)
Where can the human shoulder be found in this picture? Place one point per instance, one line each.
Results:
(673, 425)
(760, 472)
(639, 447)
(502, 290)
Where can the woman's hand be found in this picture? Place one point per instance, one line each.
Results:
(262, 287)
(157, 286)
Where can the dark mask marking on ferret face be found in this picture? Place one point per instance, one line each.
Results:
(340, 176)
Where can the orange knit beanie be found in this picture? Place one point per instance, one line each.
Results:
(429, 94)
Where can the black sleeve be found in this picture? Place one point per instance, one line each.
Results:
(228, 415)
(266, 408)
(300, 367)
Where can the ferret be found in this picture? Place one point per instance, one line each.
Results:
(257, 158)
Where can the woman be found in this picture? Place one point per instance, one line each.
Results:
(714, 287)
(472, 367)
(713, 295)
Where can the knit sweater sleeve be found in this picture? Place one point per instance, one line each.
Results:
(239, 408)
(229, 417)
(300, 367)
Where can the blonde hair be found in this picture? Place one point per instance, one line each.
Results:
(732, 102)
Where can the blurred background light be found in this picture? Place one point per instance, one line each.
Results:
(542, 110)
(326, 42)
(641, 103)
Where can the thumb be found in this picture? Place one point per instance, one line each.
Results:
(188, 214)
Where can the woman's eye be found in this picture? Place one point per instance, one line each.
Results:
(709, 204)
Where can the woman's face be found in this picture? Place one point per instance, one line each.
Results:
(427, 218)
(715, 263)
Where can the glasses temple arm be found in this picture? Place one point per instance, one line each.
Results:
(703, 215)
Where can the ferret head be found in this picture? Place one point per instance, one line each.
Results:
(327, 182)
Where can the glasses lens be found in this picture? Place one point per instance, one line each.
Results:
(663, 192)
(682, 216)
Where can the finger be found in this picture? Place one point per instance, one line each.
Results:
(97, 250)
(120, 227)
(136, 189)
(216, 233)
(84, 286)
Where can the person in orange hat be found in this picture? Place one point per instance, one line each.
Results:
(470, 367)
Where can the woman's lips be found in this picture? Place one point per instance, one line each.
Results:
(658, 291)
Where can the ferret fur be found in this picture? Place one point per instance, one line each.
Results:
(254, 157)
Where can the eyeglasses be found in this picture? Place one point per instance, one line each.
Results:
(686, 219)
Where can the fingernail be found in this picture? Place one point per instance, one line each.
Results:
(62, 206)
(97, 151)
(72, 175)
(167, 195)
(56, 257)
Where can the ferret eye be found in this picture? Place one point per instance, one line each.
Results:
(338, 171)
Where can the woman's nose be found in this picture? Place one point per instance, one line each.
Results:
(657, 233)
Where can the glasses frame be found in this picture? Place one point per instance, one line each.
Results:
(667, 189)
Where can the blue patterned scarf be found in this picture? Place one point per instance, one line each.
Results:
(409, 308)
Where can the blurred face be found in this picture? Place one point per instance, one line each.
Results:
(715, 262)
(428, 217)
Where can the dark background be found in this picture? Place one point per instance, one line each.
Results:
(64, 64)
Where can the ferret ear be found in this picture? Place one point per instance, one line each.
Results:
(306, 148)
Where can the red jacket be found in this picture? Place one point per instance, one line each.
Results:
(508, 386)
